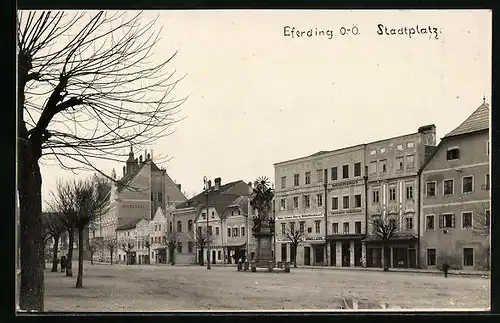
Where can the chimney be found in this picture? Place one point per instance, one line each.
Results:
(209, 184)
(250, 184)
(217, 183)
(179, 186)
(428, 134)
(149, 156)
(140, 159)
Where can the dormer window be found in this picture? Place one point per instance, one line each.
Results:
(453, 154)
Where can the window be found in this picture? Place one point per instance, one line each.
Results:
(373, 152)
(213, 214)
(283, 228)
(346, 227)
(335, 228)
(190, 225)
(309, 230)
(308, 178)
(392, 223)
(160, 197)
(357, 169)
(447, 220)
(296, 202)
(467, 184)
(409, 192)
(333, 176)
(382, 150)
(156, 239)
(190, 246)
(307, 201)
(399, 163)
(232, 213)
(376, 196)
(392, 194)
(448, 187)
(430, 189)
(242, 230)
(468, 257)
(199, 231)
(204, 215)
(296, 180)
(292, 227)
(317, 226)
(152, 241)
(335, 203)
(466, 220)
(156, 227)
(410, 145)
(302, 226)
(239, 211)
(487, 182)
(357, 227)
(217, 231)
(373, 167)
(152, 197)
(409, 223)
(283, 181)
(429, 223)
(319, 175)
(453, 154)
(237, 232)
(219, 255)
(179, 226)
(179, 247)
(383, 165)
(228, 232)
(431, 257)
(410, 160)
(357, 200)
(345, 202)
(210, 230)
(282, 204)
(170, 226)
(487, 147)
(319, 198)
(345, 171)
(399, 147)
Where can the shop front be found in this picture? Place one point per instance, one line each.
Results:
(345, 250)
(234, 252)
(402, 251)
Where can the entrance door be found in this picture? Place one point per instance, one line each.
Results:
(283, 252)
(200, 257)
(346, 254)
(213, 256)
(307, 256)
(318, 256)
(413, 257)
(399, 256)
(333, 254)
(357, 254)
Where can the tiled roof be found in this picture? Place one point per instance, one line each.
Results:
(125, 180)
(129, 225)
(478, 120)
(201, 198)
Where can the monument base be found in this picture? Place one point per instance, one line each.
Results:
(264, 249)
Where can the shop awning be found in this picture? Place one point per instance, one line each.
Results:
(160, 248)
(235, 245)
(397, 238)
(337, 237)
(315, 242)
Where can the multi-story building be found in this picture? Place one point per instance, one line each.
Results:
(127, 237)
(322, 195)
(158, 237)
(193, 214)
(138, 194)
(393, 167)
(455, 217)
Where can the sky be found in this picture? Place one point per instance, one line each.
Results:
(257, 96)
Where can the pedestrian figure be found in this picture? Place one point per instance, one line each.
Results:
(63, 263)
(445, 268)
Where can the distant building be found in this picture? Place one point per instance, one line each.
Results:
(192, 214)
(142, 189)
(126, 235)
(157, 235)
(455, 218)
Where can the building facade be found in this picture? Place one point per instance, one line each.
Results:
(393, 167)
(143, 188)
(455, 218)
(322, 195)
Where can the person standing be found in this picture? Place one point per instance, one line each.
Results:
(445, 269)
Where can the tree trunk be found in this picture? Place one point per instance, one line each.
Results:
(387, 257)
(111, 256)
(91, 257)
(79, 278)
(149, 255)
(54, 255)
(295, 257)
(31, 227)
(202, 261)
(69, 267)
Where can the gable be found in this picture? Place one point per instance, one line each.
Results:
(477, 121)
(172, 191)
(159, 216)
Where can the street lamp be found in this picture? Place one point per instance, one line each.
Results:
(207, 187)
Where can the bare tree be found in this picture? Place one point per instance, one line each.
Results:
(92, 247)
(295, 236)
(481, 226)
(54, 228)
(201, 240)
(384, 227)
(110, 244)
(171, 239)
(87, 88)
(127, 245)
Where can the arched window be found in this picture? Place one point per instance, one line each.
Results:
(190, 225)
(179, 226)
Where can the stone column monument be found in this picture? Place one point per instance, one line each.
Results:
(261, 202)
